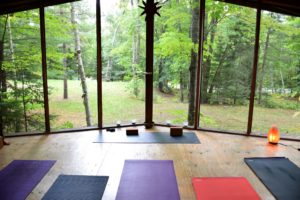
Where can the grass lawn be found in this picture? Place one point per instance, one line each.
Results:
(119, 104)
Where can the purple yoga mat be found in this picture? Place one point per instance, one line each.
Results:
(148, 180)
(20, 177)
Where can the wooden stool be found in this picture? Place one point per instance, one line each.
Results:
(176, 131)
(132, 131)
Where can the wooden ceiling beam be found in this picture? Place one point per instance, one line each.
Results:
(11, 6)
(289, 7)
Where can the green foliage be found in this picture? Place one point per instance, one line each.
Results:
(66, 125)
(280, 101)
(136, 87)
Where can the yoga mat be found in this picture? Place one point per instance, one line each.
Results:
(20, 177)
(148, 180)
(148, 137)
(225, 188)
(279, 175)
(77, 188)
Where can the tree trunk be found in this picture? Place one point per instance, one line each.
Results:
(282, 83)
(181, 74)
(24, 102)
(109, 61)
(218, 71)
(135, 52)
(181, 85)
(85, 95)
(272, 80)
(3, 86)
(207, 64)
(12, 60)
(65, 63)
(194, 32)
(160, 75)
(263, 68)
(162, 84)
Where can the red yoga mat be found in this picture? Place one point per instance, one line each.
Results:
(224, 188)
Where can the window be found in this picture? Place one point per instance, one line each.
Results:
(226, 72)
(278, 75)
(123, 66)
(175, 63)
(71, 62)
(22, 103)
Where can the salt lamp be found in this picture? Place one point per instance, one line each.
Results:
(273, 135)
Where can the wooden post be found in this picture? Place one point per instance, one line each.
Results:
(99, 64)
(150, 9)
(200, 61)
(254, 71)
(44, 69)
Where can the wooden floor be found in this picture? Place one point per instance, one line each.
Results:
(217, 155)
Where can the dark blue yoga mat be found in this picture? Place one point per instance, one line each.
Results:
(20, 177)
(279, 175)
(148, 180)
(147, 137)
(75, 187)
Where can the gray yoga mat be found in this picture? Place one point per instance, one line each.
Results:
(148, 180)
(147, 137)
(279, 175)
(77, 187)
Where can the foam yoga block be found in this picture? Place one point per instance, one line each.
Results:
(176, 131)
(132, 131)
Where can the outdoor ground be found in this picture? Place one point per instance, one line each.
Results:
(120, 105)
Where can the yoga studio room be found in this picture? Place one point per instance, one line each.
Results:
(150, 100)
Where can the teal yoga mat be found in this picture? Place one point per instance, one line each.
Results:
(147, 137)
(77, 188)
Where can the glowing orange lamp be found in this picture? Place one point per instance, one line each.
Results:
(273, 135)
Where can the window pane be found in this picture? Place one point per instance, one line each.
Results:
(22, 103)
(227, 66)
(71, 62)
(278, 79)
(123, 49)
(175, 63)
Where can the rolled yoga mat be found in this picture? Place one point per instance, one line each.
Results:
(77, 188)
(225, 188)
(147, 137)
(279, 175)
(148, 180)
(20, 177)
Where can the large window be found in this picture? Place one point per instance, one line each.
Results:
(71, 62)
(226, 72)
(20, 67)
(123, 56)
(175, 63)
(277, 98)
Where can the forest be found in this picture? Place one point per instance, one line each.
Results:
(226, 70)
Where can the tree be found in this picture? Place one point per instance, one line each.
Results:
(193, 65)
(85, 94)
